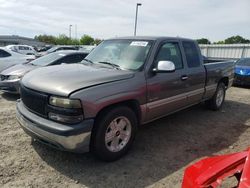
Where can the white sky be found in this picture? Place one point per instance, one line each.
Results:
(212, 19)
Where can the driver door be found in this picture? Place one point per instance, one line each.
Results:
(167, 91)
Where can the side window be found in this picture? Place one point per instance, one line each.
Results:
(69, 48)
(14, 48)
(170, 51)
(4, 54)
(58, 49)
(191, 53)
(23, 48)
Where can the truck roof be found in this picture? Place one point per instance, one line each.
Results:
(150, 38)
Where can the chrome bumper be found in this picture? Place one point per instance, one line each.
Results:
(75, 138)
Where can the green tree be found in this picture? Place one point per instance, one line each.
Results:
(86, 40)
(203, 41)
(46, 38)
(236, 40)
(63, 40)
(219, 42)
(75, 42)
(97, 41)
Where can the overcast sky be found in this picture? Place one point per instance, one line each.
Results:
(212, 19)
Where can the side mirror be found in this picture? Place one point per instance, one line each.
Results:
(164, 66)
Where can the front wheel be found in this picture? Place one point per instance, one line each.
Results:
(113, 133)
(216, 102)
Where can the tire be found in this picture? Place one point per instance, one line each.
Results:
(216, 102)
(113, 133)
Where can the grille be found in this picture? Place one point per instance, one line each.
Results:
(34, 101)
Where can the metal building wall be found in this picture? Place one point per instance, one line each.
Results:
(13, 39)
(225, 51)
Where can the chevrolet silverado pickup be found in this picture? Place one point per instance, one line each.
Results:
(98, 104)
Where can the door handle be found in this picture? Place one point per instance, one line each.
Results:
(184, 77)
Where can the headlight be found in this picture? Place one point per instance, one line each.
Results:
(65, 102)
(65, 110)
(14, 77)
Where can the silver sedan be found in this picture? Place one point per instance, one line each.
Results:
(9, 78)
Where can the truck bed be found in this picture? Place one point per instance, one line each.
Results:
(216, 71)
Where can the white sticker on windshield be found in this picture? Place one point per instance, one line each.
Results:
(139, 43)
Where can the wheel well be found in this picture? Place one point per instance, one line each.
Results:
(132, 104)
(224, 80)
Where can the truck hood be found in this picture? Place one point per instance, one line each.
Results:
(62, 80)
(5, 64)
(19, 69)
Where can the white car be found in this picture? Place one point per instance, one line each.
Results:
(58, 48)
(86, 48)
(22, 49)
(9, 58)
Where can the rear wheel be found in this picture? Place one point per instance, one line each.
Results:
(113, 133)
(216, 102)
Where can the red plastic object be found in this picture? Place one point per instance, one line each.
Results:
(211, 171)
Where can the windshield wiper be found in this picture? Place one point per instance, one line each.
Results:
(112, 64)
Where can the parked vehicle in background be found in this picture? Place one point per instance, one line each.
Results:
(9, 58)
(86, 48)
(242, 72)
(9, 78)
(44, 48)
(22, 49)
(98, 104)
(58, 48)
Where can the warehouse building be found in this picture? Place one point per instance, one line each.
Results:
(225, 51)
(14, 39)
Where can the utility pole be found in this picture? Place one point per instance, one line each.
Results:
(70, 31)
(136, 13)
(76, 31)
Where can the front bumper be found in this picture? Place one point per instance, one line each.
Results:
(10, 86)
(75, 138)
(241, 79)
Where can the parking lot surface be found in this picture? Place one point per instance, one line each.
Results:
(158, 158)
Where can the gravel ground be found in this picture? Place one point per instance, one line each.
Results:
(158, 158)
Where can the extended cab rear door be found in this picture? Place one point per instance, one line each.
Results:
(195, 76)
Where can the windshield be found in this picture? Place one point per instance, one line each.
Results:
(47, 59)
(126, 54)
(244, 62)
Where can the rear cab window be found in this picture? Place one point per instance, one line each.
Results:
(191, 53)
